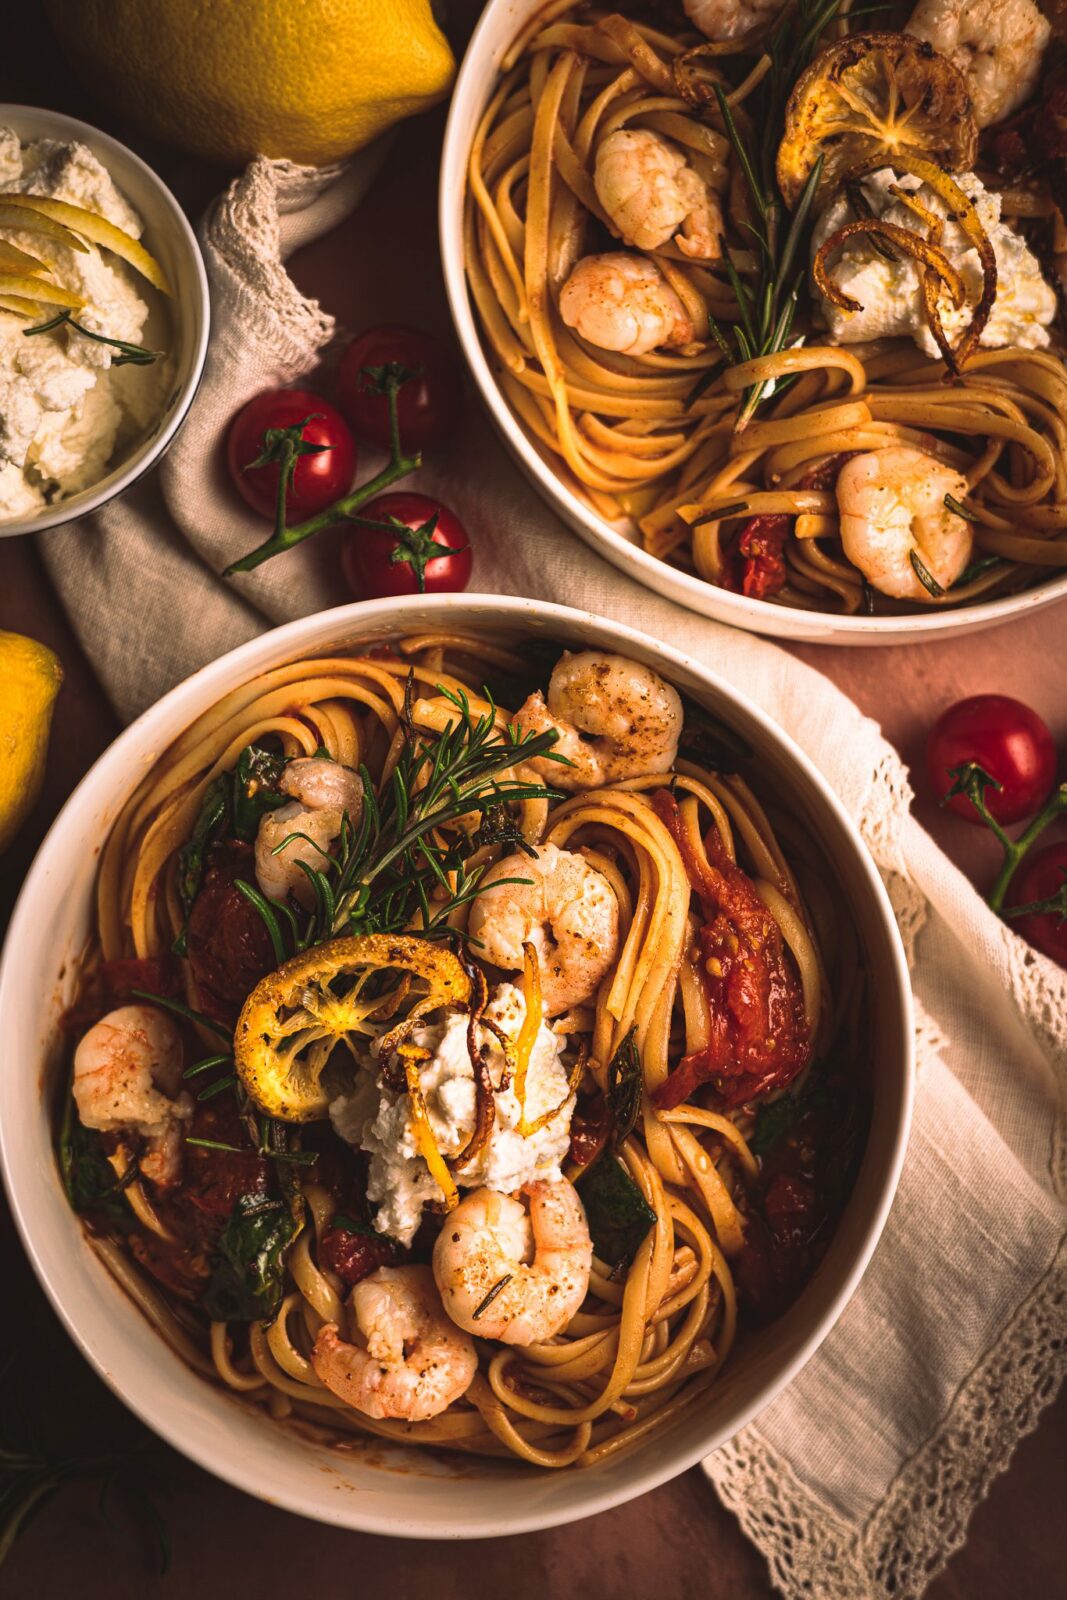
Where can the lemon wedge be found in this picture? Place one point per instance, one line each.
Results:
(333, 994)
(30, 677)
(91, 226)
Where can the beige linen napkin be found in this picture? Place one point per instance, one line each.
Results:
(860, 1479)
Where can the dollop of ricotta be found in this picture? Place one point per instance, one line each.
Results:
(65, 408)
(377, 1119)
(889, 291)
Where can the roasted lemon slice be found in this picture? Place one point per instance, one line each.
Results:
(875, 95)
(295, 1017)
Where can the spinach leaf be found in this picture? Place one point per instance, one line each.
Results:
(247, 1283)
(773, 1122)
(347, 1224)
(255, 789)
(618, 1214)
(88, 1176)
(624, 1087)
(214, 809)
(775, 1119)
(232, 806)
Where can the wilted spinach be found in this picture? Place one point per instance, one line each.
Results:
(248, 1280)
(624, 1083)
(255, 788)
(88, 1176)
(618, 1214)
(231, 808)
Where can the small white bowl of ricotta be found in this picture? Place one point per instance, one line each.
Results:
(90, 402)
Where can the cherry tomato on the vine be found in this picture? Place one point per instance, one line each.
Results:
(326, 460)
(428, 402)
(1004, 738)
(1040, 877)
(401, 559)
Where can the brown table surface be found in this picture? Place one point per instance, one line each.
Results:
(677, 1541)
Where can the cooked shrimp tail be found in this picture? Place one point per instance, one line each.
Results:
(406, 1359)
(510, 1275)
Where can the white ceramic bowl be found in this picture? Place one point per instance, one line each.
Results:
(182, 322)
(389, 1490)
(500, 23)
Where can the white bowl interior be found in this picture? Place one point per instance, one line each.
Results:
(500, 24)
(179, 326)
(381, 1488)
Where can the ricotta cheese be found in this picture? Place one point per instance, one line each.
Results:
(377, 1119)
(65, 409)
(889, 291)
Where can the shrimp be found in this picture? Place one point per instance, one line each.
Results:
(324, 792)
(410, 1363)
(894, 518)
(615, 719)
(508, 1275)
(650, 191)
(127, 1077)
(566, 909)
(624, 303)
(728, 19)
(996, 44)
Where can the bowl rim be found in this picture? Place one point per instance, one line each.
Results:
(193, 695)
(86, 501)
(474, 82)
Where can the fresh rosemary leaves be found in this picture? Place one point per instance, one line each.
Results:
(395, 869)
(767, 298)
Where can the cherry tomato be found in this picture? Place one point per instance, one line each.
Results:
(379, 562)
(1007, 740)
(1039, 878)
(428, 403)
(321, 476)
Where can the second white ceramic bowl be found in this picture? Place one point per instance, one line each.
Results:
(183, 321)
(385, 1489)
(500, 24)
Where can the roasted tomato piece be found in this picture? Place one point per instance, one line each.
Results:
(228, 943)
(591, 1128)
(113, 983)
(354, 1254)
(760, 546)
(215, 1179)
(803, 1184)
(759, 1037)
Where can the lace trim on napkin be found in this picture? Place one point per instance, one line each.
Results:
(812, 1552)
(243, 246)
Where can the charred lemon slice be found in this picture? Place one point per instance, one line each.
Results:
(296, 1017)
(882, 95)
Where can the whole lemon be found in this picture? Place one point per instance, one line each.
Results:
(311, 80)
(30, 677)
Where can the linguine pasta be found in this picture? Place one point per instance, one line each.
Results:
(650, 440)
(652, 1333)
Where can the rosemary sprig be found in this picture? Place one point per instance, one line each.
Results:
(129, 354)
(925, 576)
(32, 1470)
(395, 870)
(767, 302)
